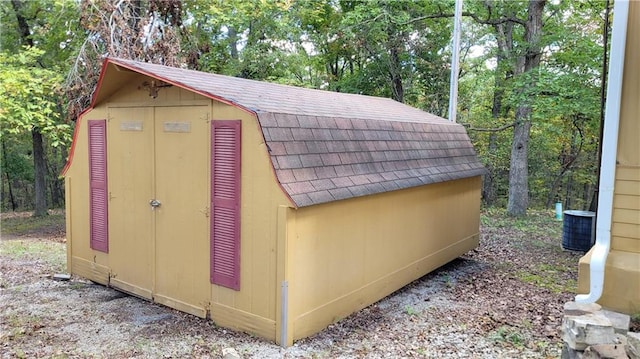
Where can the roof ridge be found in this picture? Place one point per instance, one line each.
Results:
(259, 96)
(242, 79)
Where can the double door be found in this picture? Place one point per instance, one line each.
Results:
(159, 204)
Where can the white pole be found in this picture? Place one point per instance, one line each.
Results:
(455, 62)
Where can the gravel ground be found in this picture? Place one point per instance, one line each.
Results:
(502, 300)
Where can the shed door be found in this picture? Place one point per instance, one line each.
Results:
(182, 219)
(159, 202)
(131, 186)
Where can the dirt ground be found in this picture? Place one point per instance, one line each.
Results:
(502, 300)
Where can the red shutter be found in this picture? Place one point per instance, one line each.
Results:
(98, 198)
(225, 203)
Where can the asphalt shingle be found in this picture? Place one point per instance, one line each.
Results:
(327, 146)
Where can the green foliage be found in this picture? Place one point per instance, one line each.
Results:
(39, 40)
(53, 28)
(376, 47)
(553, 269)
(549, 277)
(27, 97)
(410, 311)
(635, 320)
(508, 336)
(565, 101)
(17, 171)
(20, 226)
(391, 49)
(537, 223)
(250, 39)
(51, 253)
(18, 161)
(396, 49)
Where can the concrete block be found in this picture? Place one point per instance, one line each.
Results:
(579, 332)
(620, 321)
(573, 308)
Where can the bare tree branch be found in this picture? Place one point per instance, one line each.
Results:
(122, 29)
(487, 21)
(497, 129)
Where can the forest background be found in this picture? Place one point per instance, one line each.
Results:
(530, 90)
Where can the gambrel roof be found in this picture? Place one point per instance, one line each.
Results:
(327, 146)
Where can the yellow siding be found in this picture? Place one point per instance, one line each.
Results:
(625, 226)
(622, 281)
(78, 210)
(626, 201)
(625, 230)
(240, 320)
(133, 93)
(628, 144)
(622, 273)
(346, 255)
(627, 187)
(68, 210)
(260, 200)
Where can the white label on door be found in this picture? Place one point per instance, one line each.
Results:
(177, 127)
(131, 126)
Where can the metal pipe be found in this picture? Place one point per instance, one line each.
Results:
(455, 62)
(601, 249)
(284, 287)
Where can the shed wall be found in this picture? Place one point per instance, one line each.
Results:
(348, 254)
(253, 307)
(81, 259)
(622, 273)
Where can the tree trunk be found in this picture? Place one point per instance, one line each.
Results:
(233, 42)
(488, 182)
(504, 38)
(38, 149)
(6, 172)
(40, 170)
(568, 201)
(23, 25)
(518, 172)
(56, 189)
(397, 88)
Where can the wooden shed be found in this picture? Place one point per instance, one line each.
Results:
(610, 272)
(270, 209)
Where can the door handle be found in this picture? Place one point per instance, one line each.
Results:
(154, 203)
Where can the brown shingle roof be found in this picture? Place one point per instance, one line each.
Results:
(327, 146)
